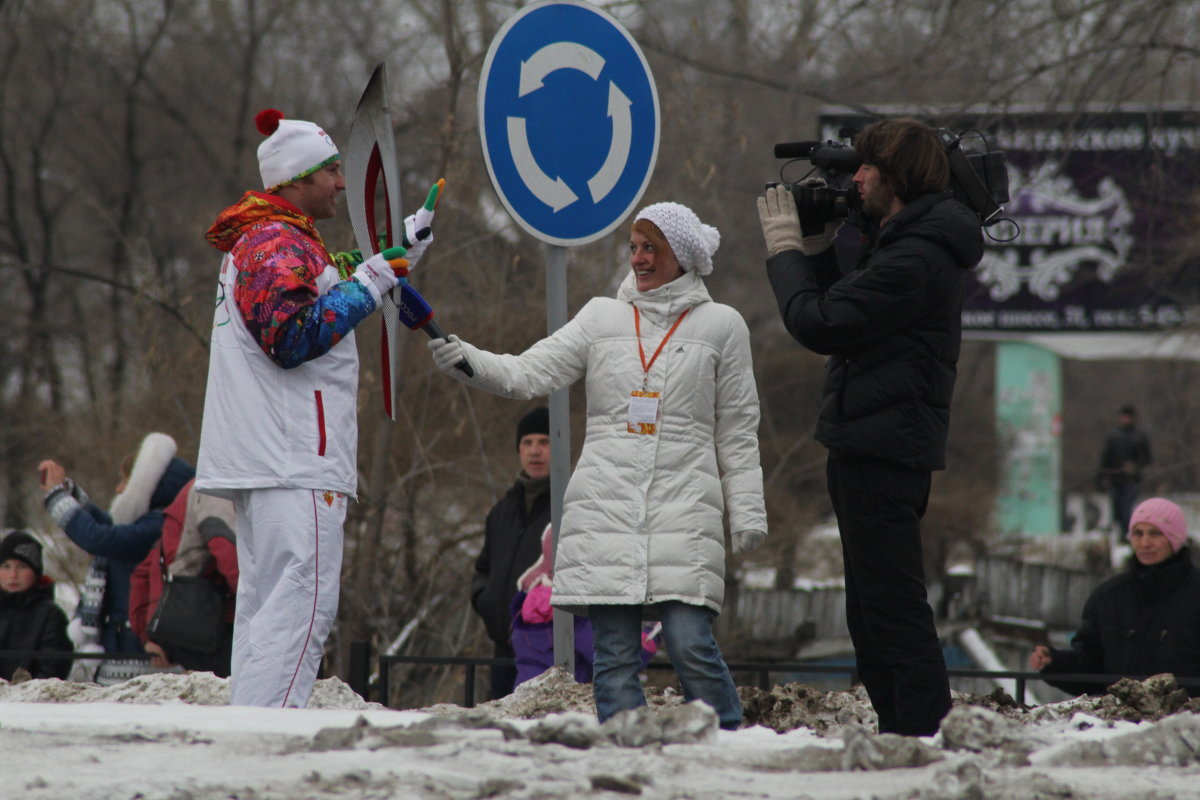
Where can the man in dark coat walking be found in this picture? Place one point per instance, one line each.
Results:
(892, 329)
(512, 542)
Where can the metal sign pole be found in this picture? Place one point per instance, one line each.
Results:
(560, 443)
(546, 54)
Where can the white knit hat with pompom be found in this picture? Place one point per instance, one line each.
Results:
(292, 150)
(691, 240)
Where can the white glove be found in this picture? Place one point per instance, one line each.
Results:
(418, 227)
(447, 353)
(780, 225)
(379, 273)
(745, 541)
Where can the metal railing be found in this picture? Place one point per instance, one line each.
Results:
(762, 670)
(73, 655)
(358, 677)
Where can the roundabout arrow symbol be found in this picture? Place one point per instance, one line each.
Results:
(610, 171)
(554, 192)
(558, 55)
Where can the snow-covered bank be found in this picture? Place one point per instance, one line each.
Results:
(173, 737)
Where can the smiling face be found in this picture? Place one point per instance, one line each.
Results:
(653, 263)
(1149, 545)
(317, 194)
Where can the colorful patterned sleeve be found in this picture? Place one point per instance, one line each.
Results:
(277, 296)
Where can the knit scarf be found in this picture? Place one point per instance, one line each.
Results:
(534, 488)
(91, 598)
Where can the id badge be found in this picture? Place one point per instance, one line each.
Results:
(644, 411)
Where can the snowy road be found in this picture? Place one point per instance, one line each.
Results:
(146, 744)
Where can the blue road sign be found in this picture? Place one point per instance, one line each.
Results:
(569, 120)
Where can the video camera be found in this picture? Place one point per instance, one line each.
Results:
(978, 178)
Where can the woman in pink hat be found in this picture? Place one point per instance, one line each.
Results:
(1143, 621)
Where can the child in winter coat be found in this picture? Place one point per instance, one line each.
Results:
(533, 621)
(29, 618)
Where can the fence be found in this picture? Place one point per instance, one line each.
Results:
(762, 671)
(1053, 595)
(360, 667)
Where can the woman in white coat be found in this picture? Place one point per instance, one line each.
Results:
(671, 444)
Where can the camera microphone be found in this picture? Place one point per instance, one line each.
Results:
(795, 149)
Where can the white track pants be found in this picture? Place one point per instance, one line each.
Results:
(289, 546)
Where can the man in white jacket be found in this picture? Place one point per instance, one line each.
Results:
(280, 431)
(672, 444)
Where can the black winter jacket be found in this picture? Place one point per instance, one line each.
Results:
(30, 620)
(892, 329)
(1124, 446)
(1140, 622)
(512, 541)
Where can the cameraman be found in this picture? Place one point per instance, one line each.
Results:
(891, 328)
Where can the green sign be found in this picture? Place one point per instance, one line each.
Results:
(1029, 426)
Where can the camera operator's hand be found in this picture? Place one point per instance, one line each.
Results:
(780, 224)
(820, 242)
(815, 243)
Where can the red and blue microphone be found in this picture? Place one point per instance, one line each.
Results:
(417, 314)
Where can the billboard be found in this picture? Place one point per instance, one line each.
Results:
(1105, 209)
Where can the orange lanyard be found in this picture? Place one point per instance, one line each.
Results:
(637, 326)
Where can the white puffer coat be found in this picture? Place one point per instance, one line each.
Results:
(642, 518)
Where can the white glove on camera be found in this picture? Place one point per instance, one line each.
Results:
(745, 541)
(447, 353)
(780, 225)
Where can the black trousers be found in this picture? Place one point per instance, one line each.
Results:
(879, 506)
(501, 680)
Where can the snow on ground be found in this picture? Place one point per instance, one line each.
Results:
(174, 737)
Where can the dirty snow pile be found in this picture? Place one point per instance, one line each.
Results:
(175, 737)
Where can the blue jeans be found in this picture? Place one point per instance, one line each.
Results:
(687, 633)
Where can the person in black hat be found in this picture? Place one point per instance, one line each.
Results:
(29, 618)
(512, 541)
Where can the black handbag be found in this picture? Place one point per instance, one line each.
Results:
(190, 612)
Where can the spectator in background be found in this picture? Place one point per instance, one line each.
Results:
(512, 542)
(1126, 453)
(533, 621)
(29, 618)
(119, 539)
(197, 540)
(1143, 621)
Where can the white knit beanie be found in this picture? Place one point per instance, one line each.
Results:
(691, 240)
(292, 150)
